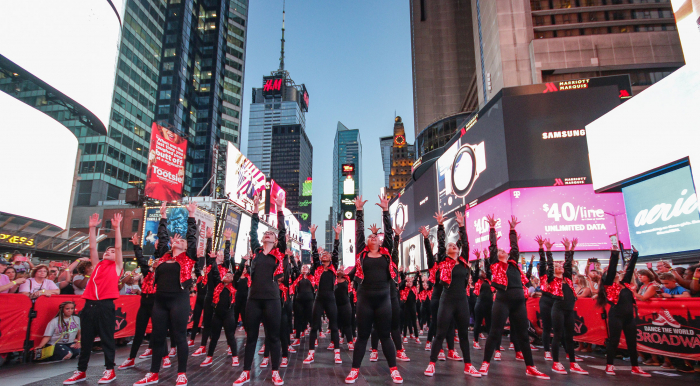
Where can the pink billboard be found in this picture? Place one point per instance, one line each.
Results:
(569, 211)
(552, 212)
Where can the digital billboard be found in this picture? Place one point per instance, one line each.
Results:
(166, 164)
(243, 238)
(305, 240)
(229, 222)
(411, 252)
(177, 223)
(291, 224)
(273, 85)
(72, 48)
(478, 227)
(424, 199)
(272, 193)
(40, 162)
(401, 210)
(243, 179)
(662, 213)
(348, 243)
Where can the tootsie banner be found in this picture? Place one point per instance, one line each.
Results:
(669, 327)
(166, 164)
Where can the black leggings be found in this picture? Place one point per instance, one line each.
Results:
(452, 309)
(142, 317)
(324, 303)
(546, 303)
(197, 313)
(410, 319)
(373, 308)
(563, 326)
(482, 312)
(206, 322)
(269, 311)
(223, 317)
(434, 306)
(239, 311)
(171, 310)
(284, 334)
(622, 321)
(395, 325)
(302, 314)
(425, 313)
(345, 322)
(510, 304)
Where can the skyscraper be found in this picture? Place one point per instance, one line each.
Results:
(347, 150)
(386, 144)
(402, 157)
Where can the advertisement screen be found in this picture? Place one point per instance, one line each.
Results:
(275, 190)
(166, 165)
(546, 134)
(424, 199)
(231, 221)
(292, 224)
(77, 57)
(305, 240)
(478, 227)
(687, 13)
(474, 165)
(243, 237)
(411, 252)
(348, 243)
(401, 211)
(39, 154)
(569, 211)
(243, 179)
(662, 213)
(177, 223)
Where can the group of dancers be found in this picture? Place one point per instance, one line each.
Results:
(375, 299)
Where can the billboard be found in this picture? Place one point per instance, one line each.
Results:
(478, 228)
(291, 224)
(305, 240)
(166, 164)
(347, 207)
(687, 13)
(662, 213)
(230, 221)
(39, 154)
(56, 49)
(272, 192)
(411, 252)
(348, 243)
(243, 179)
(273, 85)
(243, 237)
(307, 187)
(177, 223)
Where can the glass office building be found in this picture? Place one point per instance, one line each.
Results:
(347, 149)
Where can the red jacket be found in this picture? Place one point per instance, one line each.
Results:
(403, 294)
(148, 284)
(479, 283)
(446, 267)
(500, 279)
(220, 287)
(612, 292)
(556, 286)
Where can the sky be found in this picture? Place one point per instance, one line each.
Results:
(355, 59)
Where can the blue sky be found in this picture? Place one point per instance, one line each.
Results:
(355, 59)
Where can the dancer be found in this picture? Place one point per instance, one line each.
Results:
(266, 267)
(424, 296)
(510, 301)
(616, 291)
(343, 293)
(454, 276)
(98, 316)
(304, 292)
(409, 296)
(241, 286)
(484, 300)
(173, 279)
(373, 268)
(283, 284)
(324, 272)
(201, 288)
(559, 280)
(546, 302)
(208, 302)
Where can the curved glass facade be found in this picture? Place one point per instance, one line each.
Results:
(437, 134)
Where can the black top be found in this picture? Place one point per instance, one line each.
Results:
(437, 288)
(514, 278)
(305, 289)
(263, 266)
(375, 269)
(326, 284)
(341, 294)
(168, 278)
(458, 287)
(485, 292)
(626, 301)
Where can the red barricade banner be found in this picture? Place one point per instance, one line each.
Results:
(193, 299)
(14, 316)
(668, 327)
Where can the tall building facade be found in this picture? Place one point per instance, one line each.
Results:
(330, 235)
(291, 168)
(402, 157)
(521, 42)
(442, 51)
(347, 150)
(386, 144)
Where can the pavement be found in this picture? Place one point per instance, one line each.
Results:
(324, 372)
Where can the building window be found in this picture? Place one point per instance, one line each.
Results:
(135, 225)
(169, 53)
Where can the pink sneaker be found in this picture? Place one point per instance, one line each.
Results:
(395, 376)
(149, 379)
(243, 379)
(636, 370)
(146, 354)
(441, 355)
(129, 363)
(234, 362)
(276, 379)
(207, 362)
(497, 356)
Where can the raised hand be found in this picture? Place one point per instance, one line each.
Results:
(94, 221)
(117, 221)
(477, 253)
(176, 237)
(163, 210)
(459, 217)
(565, 241)
(513, 222)
(227, 234)
(279, 201)
(256, 202)
(212, 254)
(439, 217)
(135, 239)
(491, 219)
(312, 229)
(359, 204)
(210, 233)
(337, 229)
(539, 240)
(399, 230)
(486, 252)
(383, 202)
(374, 229)
(574, 242)
(634, 249)
(424, 231)
(548, 244)
(191, 208)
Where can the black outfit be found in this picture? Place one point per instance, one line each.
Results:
(374, 294)
(208, 304)
(621, 317)
(435, 300)
(396, 310)
(484, 300)
(342, 301)
(453, 302)
(510, 303)
(285, 304)
(172, 302)
(546, 303)
(201, 295)
(264, 294)
(410, 314)
(563, 314)
(325, 296)
(241, 297)
(223, 310)
(303, 302)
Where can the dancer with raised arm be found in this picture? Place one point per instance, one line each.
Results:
(373, 269)
(266, 266)
(546, 301)
(454, 277)
(173, 280)
(484, 298)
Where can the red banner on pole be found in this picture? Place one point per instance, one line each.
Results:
(14, 316)
(166, 164)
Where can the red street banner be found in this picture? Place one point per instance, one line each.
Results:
(166, 164)
(668, 327)
(14, 315)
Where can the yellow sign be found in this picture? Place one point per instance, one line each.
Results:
(18, 240)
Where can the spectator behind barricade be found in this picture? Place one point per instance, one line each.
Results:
(62, 332)
(3, 265)
(649, 288)
(671, 288)
(39, 284)
(582, 288)
(534, 288)
(663, 266)
(129, 284)
(80, 280)
(695, 281)
(22, 264)
(9, 282)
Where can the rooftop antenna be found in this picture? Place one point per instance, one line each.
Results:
(282, 51)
